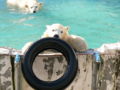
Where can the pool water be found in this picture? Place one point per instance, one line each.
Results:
(98, 21)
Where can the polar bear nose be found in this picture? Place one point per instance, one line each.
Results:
(34, 11)
(56, 36)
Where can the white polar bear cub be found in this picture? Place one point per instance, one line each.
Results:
(29, 6)
(59, 31)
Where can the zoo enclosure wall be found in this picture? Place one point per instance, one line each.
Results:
(91, 75)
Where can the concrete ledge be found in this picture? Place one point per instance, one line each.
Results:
(91, 75)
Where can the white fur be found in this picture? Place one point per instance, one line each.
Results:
(77, 42)
(26, 46)
(29, 6)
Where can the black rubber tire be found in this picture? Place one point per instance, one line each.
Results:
(44, 44)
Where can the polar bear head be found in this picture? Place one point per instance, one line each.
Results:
(33, 7)
(56, 30)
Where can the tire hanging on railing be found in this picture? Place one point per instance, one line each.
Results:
(44, 44)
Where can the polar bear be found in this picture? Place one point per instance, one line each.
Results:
(29, 6)
(59, 31)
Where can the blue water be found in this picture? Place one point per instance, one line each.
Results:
(98, 21)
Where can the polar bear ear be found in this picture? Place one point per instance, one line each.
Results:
(26, 6)
(67, 28)
(40, 4)
(47, 26)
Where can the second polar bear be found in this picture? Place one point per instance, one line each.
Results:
(29, 6)
(59, 31)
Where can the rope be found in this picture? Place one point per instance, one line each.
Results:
(96, 54)
(17, 58)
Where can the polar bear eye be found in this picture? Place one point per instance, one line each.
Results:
(36, 6)
(53, 30)
(61, 31)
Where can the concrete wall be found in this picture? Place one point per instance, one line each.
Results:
(91, 75)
